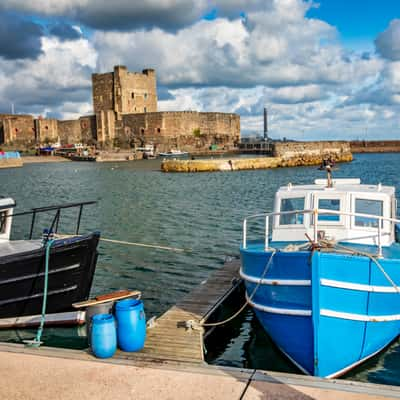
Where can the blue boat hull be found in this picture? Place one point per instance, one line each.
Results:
(326, 311)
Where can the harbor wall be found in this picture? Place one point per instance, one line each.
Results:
(291, 154)
(310, 153)
(375, 146)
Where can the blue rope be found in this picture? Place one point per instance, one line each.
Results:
(36, 342)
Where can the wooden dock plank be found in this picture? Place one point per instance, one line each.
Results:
(169, 338)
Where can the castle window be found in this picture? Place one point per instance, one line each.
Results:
(142, 130)
(158, 130)
(16, 129)
(133, 95)
(46, 127)
(145, 109)
(145, 96)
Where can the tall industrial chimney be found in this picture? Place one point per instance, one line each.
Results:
(265, 124)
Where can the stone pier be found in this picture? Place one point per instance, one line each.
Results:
(286, 154)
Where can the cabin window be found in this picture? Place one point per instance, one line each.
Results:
(329, 204)
(292, 204)
(372, 207)
(3, 220)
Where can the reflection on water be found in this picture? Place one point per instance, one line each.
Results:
(202, 212)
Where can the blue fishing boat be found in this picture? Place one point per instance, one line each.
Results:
(322, 272)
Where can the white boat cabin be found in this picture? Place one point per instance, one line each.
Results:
(6, 210)
(345, 212)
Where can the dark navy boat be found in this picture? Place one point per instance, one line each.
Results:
(324, 279)
(72, 264)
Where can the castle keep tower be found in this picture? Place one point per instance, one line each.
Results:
(125, 92)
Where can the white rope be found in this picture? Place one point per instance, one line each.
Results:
(152, 246)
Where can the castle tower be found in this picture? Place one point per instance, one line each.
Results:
(125, 92)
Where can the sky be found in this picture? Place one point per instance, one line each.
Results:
(327, 69)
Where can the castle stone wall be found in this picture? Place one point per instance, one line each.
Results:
(46, 130)
(17, 130)
(102, 91)
(187, 130)
(70, 131)
(88, 129)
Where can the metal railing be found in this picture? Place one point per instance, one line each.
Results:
(314, 223)
(54, 224)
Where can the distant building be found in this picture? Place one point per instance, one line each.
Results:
(125, 107)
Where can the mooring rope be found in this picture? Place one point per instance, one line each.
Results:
(196, 324)
(37, 341)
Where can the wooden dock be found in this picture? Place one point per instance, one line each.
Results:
(171, 338)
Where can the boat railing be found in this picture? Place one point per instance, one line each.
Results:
(315, 212)
(56, 219)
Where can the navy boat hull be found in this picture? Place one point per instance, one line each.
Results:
(71, 270)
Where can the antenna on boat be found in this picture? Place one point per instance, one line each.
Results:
(327, 165)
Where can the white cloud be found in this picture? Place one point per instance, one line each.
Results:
(388, 42)
(61, 74)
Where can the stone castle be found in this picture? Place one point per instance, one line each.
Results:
(126, 116)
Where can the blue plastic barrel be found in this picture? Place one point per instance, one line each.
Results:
(131, 324)
(103, 336)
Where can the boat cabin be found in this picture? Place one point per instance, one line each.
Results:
(6, 209)
(343, 211)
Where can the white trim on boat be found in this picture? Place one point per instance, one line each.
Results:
(358, 286)
(359, 317)
(75, 317)
(52, 271)
(277, 282)
(38, 295)
(277, 310)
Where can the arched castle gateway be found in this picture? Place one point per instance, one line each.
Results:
(125, 107)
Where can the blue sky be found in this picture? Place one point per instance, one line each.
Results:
(326, 70)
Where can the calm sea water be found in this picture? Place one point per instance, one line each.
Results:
(200, 212)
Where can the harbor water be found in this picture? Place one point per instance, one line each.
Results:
(201, 213)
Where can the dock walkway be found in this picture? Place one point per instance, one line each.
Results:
(169, 339)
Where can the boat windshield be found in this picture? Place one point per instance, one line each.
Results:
(371, 207)
(292, 204)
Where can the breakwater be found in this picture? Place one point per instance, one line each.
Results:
(375, 146)
(285, 154)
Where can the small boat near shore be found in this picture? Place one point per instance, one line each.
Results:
(71, 266)
(324, 280)
(174, 153)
